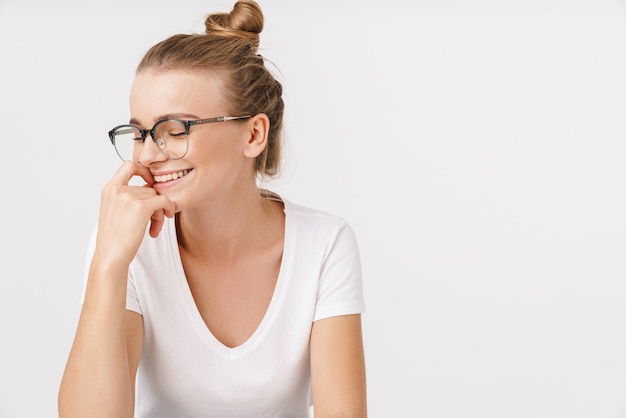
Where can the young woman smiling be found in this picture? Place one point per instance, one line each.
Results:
(207, 296)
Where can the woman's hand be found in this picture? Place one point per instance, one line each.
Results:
(101, 369)
(125, 211)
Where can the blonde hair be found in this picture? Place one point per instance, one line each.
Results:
(229, 48)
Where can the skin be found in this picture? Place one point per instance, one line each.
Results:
(230, 240)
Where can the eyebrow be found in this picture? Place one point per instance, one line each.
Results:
(134, 121)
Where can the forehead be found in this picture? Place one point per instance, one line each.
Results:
(156, 93)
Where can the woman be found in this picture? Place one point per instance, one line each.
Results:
(206, 296)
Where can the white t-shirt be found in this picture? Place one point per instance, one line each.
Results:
(186, 372)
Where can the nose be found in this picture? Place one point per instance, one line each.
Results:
(150, 152)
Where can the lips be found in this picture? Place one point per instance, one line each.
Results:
(171, 176)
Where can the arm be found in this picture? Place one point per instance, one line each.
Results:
(99, 378)
(100, 373)
(338, 367)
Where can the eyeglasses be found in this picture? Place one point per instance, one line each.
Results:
(170, 135)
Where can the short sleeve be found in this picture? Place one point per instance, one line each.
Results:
(340, 290)
(132, 301)
(91, 248)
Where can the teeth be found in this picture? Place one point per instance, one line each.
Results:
(171, 176)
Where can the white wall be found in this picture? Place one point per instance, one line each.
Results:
(477, 148)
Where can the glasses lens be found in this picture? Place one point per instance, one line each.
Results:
(171, 137)
(128, 143)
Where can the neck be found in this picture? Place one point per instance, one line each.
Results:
(230, 228)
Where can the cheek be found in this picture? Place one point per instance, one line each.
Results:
(215, 150)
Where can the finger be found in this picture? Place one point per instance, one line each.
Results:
(127, 193)
(161, 203)
(128, 170)
(170, 212)
(156, 223)
(167, 205)
(170, 209)
(158, 216)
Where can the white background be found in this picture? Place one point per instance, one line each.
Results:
(477, 148)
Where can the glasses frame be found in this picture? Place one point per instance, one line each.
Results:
(186, 123)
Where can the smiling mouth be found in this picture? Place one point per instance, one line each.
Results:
(172, 176)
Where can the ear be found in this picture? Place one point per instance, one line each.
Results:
(258, 129)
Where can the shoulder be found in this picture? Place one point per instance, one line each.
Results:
(316, 228)
(320, 227)
(306, 215)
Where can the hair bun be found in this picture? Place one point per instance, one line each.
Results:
(245, 21)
